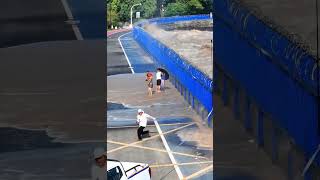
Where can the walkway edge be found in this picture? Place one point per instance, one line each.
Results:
(125, 54)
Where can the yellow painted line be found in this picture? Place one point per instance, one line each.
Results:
(196, 174)
(181, 164)
(156, 149)
(153, 137)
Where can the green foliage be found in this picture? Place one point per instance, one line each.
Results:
(207, 6)
(148, 8)
(187, 7)
(194, 6)
(121, 9)
(176, 9)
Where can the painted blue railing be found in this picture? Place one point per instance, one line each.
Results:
(195, 81)
(280, 76)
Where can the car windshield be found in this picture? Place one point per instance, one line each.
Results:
(114, 173)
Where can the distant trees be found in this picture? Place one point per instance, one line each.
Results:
(119, 10)
(187, 7)
(175, 9)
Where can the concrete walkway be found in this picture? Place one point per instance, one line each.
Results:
(190, 142)
(51, 110)
(173, 114)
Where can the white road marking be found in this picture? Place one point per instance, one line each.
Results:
(173, 160)
(181, 164)
(125, 54)
(70, 18)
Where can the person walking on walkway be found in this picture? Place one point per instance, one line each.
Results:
(158, 76)
(142, 119)
(149, 80)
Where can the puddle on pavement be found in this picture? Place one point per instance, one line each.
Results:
(13, 139)
(175, 139)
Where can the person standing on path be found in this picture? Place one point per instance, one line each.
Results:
(163, 76)
(142, 119)
(149, 80)
(158, 76)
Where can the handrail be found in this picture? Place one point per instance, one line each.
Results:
(311, 161)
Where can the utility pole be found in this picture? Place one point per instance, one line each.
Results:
(159, 7)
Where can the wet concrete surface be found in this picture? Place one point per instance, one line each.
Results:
(236, 153)
(12, 139)
(171, 111)
(24, 22)
(52, 109)
(47, 86)
(140, 155)
(140, 60)
(116, 60)
(126, 93)
(70, 162)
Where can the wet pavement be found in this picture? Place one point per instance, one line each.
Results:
(69, 162)
(24, 22)
(176, 119)
(190, 141)
(52, 109)
(116, 60)
(32, 21)
(140, 60)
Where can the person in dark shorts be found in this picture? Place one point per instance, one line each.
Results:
(158, 76)
(142, 119)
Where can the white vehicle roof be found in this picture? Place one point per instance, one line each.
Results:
(112, 163)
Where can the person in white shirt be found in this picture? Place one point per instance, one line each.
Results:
(142, 120)
(158, 76)
(162, 81)
(99, 168)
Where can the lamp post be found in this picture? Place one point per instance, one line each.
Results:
(132, 12)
